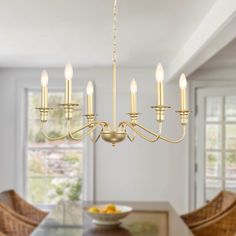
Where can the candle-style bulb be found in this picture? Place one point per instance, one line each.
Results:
(44, 78)
(183, 82)
(159, 73)
(68, 71)
(133, 86)
(44, 92)
(90, 98)
(89, 88)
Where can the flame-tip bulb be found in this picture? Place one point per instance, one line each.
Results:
(68, 71)
(159, 73)
(182, 81)
(89, 88)
(44, 78)
(133, 86)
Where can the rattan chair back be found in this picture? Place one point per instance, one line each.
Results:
(6, 198)
(15, 202)
(220, 204)
(12, 224)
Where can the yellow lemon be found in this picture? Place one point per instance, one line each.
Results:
(111, 207)
(94, 210)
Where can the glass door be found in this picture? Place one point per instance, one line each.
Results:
(215, 143)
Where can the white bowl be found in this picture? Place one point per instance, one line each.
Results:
(108, 219)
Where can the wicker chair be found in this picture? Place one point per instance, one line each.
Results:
(220, 204)
(17, 204)
(224, 225)
(13, 224)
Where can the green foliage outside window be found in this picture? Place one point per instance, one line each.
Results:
(54, 170)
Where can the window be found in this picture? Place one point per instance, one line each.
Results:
(216, 142)
(53, 170)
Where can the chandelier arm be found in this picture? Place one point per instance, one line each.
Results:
(149, 131)
(51, 138)
(84, 127)
(94, 140)
(71, 135)
(175, 141)
(131, 138)
(141, 134)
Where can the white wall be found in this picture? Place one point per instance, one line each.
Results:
(140, 171)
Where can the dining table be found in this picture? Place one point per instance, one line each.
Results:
(69, 218)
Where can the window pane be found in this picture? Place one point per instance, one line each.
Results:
(54, 169)
(37, 140)
(213, 164)
(65, 188)
(52, 128)
(33, 102)
(213, 136)
(230, 165)
(37, 163)
(55, 98)
(213, 187)
(230, 108)
(231, 185)
(37, 189)
(213, 183)
(213, 108)
(35, 136)
(56, 124)
(230, 138)
(54, 163)
(66, 163)
(49, 190)
(211, 193)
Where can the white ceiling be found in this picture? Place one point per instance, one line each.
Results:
(36, 33)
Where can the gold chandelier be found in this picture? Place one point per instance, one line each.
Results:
(113, 132)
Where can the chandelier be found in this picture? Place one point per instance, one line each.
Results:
(114, 132)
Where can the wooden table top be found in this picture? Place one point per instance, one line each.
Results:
(147, 219)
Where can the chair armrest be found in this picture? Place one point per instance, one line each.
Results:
(202, 215)
(223, 225)
(11, 224)
(195, 219)
(18, 216)
(28, 210)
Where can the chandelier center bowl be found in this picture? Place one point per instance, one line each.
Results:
(113, 136)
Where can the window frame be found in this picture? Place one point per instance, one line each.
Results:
(22, 88)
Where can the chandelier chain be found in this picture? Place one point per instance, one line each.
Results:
(114, 61)
(114, 34)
